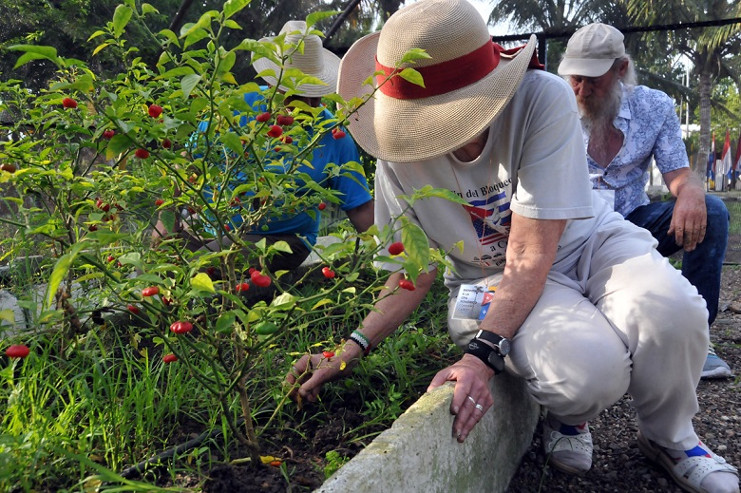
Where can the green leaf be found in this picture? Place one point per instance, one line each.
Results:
(232, 24)
(100, 47)
(132, 258)
(188, 83)
(7, 315)
(95, 35)
(149, 9)
(231, 7)
(118, 144)
(233, 143)
(61, 268)
(225, 322)
(121, 18)
(175, 72)
(413, 55)
(194, 37)
(315, 17)
(413, 76)
(171, 36)
(284, 301)
(202, 282)
(321, 303)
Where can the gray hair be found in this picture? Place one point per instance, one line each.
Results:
(629, 79)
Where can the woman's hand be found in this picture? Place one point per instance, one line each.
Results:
(312, 371)
(471, 397)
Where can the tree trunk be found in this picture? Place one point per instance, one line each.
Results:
(704, 89)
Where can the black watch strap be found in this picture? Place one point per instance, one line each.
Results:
(487, 354)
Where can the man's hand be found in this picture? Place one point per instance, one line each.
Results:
(471, 397)
(312, 371)
(690, 217)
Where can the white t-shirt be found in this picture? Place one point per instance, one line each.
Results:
(533, 163)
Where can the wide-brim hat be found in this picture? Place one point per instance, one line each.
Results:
(313, 60)
(592, 50)
(467, 82)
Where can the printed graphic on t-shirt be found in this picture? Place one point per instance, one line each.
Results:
(491, 218)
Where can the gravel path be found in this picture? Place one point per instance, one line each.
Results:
(618, 465)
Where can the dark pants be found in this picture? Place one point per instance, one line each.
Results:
(702, 266)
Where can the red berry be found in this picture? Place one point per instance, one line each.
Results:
(166, 143)
(69, 103)
(166, 301)
(406, 284)
(275, 131)
(327, 354)
(10, 168)
(396, 248)
(159, 202)
(142, 153)
(150, 291)
(169, 358)
(181, 327)
(92, 228)
(284, 120)
(263, 117)
(110, 258)
(260, 279)
(338, 134)
(133, 309)
(102, 205)
(322, 206)
(328, 273)
(227, 228)
(155, 110)
(286, 139)
(251, 270)
(17, 351)
(108, 134)
(243, 286)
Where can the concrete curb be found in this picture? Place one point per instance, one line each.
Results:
(418, 453)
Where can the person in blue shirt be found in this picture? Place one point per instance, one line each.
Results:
(326, 164)
(626, 126)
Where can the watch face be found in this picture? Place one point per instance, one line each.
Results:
(504, 347)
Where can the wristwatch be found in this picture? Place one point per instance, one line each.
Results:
(490, 348)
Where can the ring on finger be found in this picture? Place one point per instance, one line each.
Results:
(479, 407)
(472, 400)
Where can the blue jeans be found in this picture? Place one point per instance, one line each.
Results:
(702, 266)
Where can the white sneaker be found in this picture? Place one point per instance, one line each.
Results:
(570, 451)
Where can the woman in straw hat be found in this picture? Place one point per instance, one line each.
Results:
(572, 277)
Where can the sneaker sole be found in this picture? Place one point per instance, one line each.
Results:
(716, 373)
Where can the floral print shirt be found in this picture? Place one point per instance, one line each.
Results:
(651, 130)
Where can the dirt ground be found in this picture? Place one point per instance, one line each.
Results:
(618, 465)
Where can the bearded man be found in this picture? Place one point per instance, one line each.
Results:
(625, 126)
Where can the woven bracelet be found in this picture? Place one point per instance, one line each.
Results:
(361, 341)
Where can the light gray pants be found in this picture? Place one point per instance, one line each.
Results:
(622, 320)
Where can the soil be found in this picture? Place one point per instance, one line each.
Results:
(618, 465)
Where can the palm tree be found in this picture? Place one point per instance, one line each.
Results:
(712, 50)
(556, 19)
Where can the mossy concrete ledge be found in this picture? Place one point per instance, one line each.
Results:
(419, 454)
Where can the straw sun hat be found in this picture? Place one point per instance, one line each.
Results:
(315, 61)
(467, 82)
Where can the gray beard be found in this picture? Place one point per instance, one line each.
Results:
(597, 116)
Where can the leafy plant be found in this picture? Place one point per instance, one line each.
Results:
(92, 165)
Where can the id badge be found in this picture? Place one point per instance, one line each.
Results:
(473, 302)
